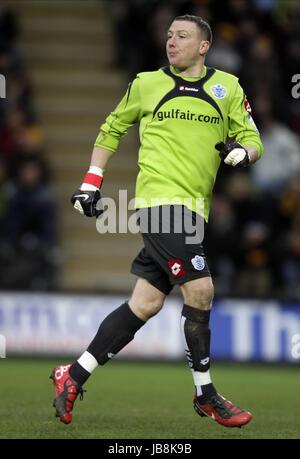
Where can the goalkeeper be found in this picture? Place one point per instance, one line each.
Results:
(187, 112)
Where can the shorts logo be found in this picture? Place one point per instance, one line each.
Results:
(218, 91)
(198, 262)
(176, 268)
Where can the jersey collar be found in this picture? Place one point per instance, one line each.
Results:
(203, 74)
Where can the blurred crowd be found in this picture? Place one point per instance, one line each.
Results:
(253, 238)
(28, 238)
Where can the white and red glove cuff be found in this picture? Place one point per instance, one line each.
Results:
(93, 179)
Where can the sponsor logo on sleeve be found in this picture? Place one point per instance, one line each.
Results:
(247, 107)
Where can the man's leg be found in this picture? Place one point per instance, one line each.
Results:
(198, 296)
(114, 333)
(118, 329)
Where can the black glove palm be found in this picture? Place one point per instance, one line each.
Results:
(86, 202)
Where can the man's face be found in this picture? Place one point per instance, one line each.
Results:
(185, 44)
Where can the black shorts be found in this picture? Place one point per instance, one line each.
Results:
(171, 255)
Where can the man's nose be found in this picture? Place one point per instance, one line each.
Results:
(171, 42)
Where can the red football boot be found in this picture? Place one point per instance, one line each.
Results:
(223, 411)
(66, 392)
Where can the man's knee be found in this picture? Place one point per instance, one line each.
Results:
(146, 300)
(198, 293)
(147, 309)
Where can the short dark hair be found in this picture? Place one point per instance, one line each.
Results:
(203, 26)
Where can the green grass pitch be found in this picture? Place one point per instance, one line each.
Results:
(127, 400)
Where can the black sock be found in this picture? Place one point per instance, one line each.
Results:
(78, 373)
(116, 330)
(208, 391)
(197, 336)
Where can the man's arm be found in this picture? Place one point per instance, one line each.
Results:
(247, 147)
(126, 114)
(253, 154)
(100, 157)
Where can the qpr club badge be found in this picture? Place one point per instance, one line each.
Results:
(198, 262)
(218, 91)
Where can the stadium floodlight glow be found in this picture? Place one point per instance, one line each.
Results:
(2, 86)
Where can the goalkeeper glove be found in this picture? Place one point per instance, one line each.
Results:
(233, 154)
(87, 198)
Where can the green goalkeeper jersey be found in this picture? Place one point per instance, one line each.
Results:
(181, 120)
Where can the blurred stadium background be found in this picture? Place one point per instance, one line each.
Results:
(66, 65)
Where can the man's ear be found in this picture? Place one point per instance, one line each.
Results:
(204, 47)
